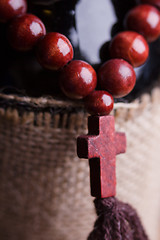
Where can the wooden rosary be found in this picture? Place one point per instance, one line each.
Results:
(78, 80)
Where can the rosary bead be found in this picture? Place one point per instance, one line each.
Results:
(78, 79)
(144, 19)
(25, 31)
(130, 46)
(117, 77)
(99, 103)
(11, 8)
(156, 3)
(54, 51)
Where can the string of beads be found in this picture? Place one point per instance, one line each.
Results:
(78, 80)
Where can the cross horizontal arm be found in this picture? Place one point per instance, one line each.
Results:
(86, 147)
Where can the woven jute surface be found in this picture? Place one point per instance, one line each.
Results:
(44, 187)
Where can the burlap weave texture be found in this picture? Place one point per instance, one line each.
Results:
(44, 187)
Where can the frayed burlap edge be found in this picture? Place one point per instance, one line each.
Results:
(30, 109)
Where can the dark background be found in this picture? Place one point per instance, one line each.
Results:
(90, 25)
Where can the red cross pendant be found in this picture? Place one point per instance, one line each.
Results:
(101, 146)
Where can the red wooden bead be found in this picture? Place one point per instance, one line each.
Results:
(54, 51)
(24, 32)
(99, 103)
(100, 146)
(156, 3)
(78, 79)
(144, 19)
(117, 77)
(130, 46)
(11, 8)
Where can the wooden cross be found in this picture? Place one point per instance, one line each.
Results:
(101, 146)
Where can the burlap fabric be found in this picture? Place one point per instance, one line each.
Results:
(44, 187)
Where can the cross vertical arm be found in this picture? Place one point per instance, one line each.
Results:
(101, 146)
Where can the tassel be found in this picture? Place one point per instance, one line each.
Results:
(116, 221)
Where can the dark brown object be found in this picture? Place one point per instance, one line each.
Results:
(116, 221)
